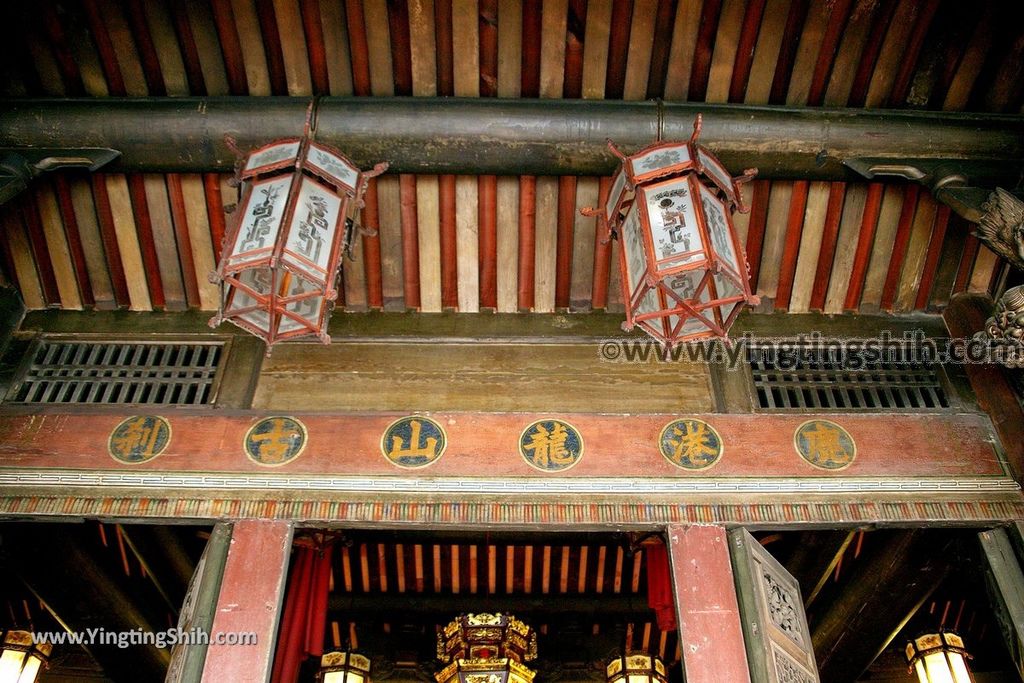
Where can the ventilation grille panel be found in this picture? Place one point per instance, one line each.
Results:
(119, 373)
(836, 379)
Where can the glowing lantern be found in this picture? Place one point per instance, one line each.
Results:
(684, 272)
(939, 658)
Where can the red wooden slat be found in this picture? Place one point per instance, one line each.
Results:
(827, 251)
(530, 84)
(105, 48)
(663, 24)
(899, 246)
(872, 48)
(488, 28)
(908, 64)
(70, 74)
(445, 58)
(572, 85)
(449, 250)
(865, 242)
(272, 46)
(144, 228)
(787, 51)
(371, 248)
(105, 218)
(931, 261)
(837, 19)
(401, 51)
(67, 212)
(40, 250)
(189, 51)
(410, 241)
(231, 47)
(602, 252)
(360, 51)
(701, 70)
(147, 49)
(563, 252)
(527, 237)
(963, 273)
(791, 249)
(745, 50)
(756, 227)
(312, 26)
(618, 49)
(215, 211)
(180, 220)
(487, 210)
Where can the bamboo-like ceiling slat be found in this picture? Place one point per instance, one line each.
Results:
(148, 241)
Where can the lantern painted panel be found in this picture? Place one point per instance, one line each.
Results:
(684, 273)
(260, 222)
(276, 155)
(334, 166)
(315, 223)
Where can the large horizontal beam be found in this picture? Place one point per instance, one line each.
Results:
(435, 135)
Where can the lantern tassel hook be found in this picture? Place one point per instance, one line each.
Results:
(698, 123)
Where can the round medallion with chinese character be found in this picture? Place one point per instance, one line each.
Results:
(691, 444)
(275, 441)
(551, 445)
(825, 444)
(413, 442)
(139, 439)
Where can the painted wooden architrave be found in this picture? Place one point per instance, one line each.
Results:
(775, 627)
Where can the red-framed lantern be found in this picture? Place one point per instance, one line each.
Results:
(685, 275)
(278, 271)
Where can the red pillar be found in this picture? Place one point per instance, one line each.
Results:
(250, 602)
(710, 632)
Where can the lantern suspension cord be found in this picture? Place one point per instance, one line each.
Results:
(660, 110)
(312, 112)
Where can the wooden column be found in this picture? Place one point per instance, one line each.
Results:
(250, 601)
(710, 633)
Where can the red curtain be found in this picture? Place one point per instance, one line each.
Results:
(659, 587)
(305, 613)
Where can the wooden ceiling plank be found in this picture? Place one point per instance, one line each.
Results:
(230, 45)
(417, 554)
(271, 46)
(105, 47)
(85, 53)
(389, 229)
(776, 221)
(911, 52)
(602, 557)
(378, 36)
(881, 249)
(364, 567)
(904, 226)
(445, 48)
(410, 241)
(148, 54)
(554, 17)
(92, 243)
(615, 304)
(428, 229)
(595, 48)
(336, 635)
(74, 237)
(985, 264)
(49, 73)
(128, 242)
(572, 85)
(488, 32)
(71, 77)
(645, 641)
(487, 224)
(370, 240)
(848, 56)
(473, 569)
(316, 46)
(200, 238)
(641, 43)
(437, 568)
(827, 250)
(467, 251)
(704, 47)
(811, 39)
(756, 223)
(952, 250)
(865, 241)
(837, 20)
(57, 245)
(353, 274)
(358, 47)
(566, 223)
(158, 203)
(20, 251)
(400, 567)
(604, 263)
(527, 242)
(508, 243)
(545, 577)
(874, 41)
(758, 85)
(189, 49)
(791, 251)
(972, 61)
(528, 569)
(346, 569)
(353, 636)
(168, 51)
(584, 234)
(893, 52)
(182, 239)
(492, 569)
(510, 47)
(966, 263)
(456, 570)
(545, 243)
(618, 49)
(382, 567)
(125, 49)
(336, 47)
(510, 568)
(293, 44)
(753, 18)
(40, 249)
(147, 243)
(581, 580)
(723, 59)
(563, 572)
(917, 249)
(788, 48)
(638, 559)
(846, 246)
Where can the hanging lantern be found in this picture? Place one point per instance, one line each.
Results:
(684, 272)
(281, 256)
(344, 667)
(636, 667)
(486, 648)
(21, 659)
(939, 658)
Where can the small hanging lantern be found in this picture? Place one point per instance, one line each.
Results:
(486, 648)
(21, 659)
(343, 667)
(939, 658)
(281, 256)
(636, 667)
(684, 272)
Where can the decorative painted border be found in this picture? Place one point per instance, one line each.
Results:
(447, 513)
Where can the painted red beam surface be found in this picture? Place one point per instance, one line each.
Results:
(911, 447)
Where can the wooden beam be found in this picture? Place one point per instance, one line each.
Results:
(708, 611)
(250, 600)
(815, 558)
(1006, 586)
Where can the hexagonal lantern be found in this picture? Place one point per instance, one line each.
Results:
(684, 271)
(281, 256)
